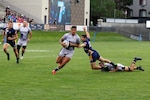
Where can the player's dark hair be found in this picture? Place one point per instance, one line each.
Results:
(84, 35)
(73, 27)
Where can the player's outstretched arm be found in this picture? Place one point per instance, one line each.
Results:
(86, 32)
(82, 45)
(74, 44)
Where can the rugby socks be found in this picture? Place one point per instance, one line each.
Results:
(17, 60)
(56, 69)
(8, 57)
(22, 53)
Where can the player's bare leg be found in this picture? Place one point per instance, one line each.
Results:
(62, 61)
(133, 66)
(59, 59)
(94, 66)
(5, 47)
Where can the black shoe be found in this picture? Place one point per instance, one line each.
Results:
(8, 57)
(17, 61)
(140, 68)
(137, 58)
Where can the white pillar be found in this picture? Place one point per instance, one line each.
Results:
(45, 11)
(87, 12)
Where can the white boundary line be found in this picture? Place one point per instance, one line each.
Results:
(39, 51)
(36, 57)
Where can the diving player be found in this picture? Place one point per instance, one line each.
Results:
(93, 54)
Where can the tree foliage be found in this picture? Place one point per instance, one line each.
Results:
(107, 8)
(102, 8)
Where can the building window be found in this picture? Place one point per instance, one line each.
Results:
(143, 2)
(130, 12)
(142, 13)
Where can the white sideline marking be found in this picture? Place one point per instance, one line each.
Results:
(37, 57)
(39, 50)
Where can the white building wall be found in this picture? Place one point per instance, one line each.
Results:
(45, 11)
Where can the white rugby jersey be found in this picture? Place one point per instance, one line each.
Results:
(24, 32)
(71, 38)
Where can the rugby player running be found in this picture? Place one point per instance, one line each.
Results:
(24, 39)
(66, 54)
(11, 36)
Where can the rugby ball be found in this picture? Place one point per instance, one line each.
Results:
(66, 42)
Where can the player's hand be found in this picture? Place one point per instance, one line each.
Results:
(63, 44)
(2, 40)
(84, 29)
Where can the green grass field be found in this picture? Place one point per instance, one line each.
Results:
(31, 79)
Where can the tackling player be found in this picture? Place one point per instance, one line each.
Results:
(11, 36)
(93, 54)
(66, 54)
(24, 39)
(110, 68)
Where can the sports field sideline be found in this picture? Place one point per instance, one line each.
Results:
(31, 79)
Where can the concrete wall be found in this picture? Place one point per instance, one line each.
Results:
(127, 29)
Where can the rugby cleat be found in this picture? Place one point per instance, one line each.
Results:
(140, 68)
(21, 57)
(137, 58)
(53, 72)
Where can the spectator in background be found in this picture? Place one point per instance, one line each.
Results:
(14, 18)
(7, 10)
(55, 22)
(9, 17)
(20, 19)
(31, 21)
